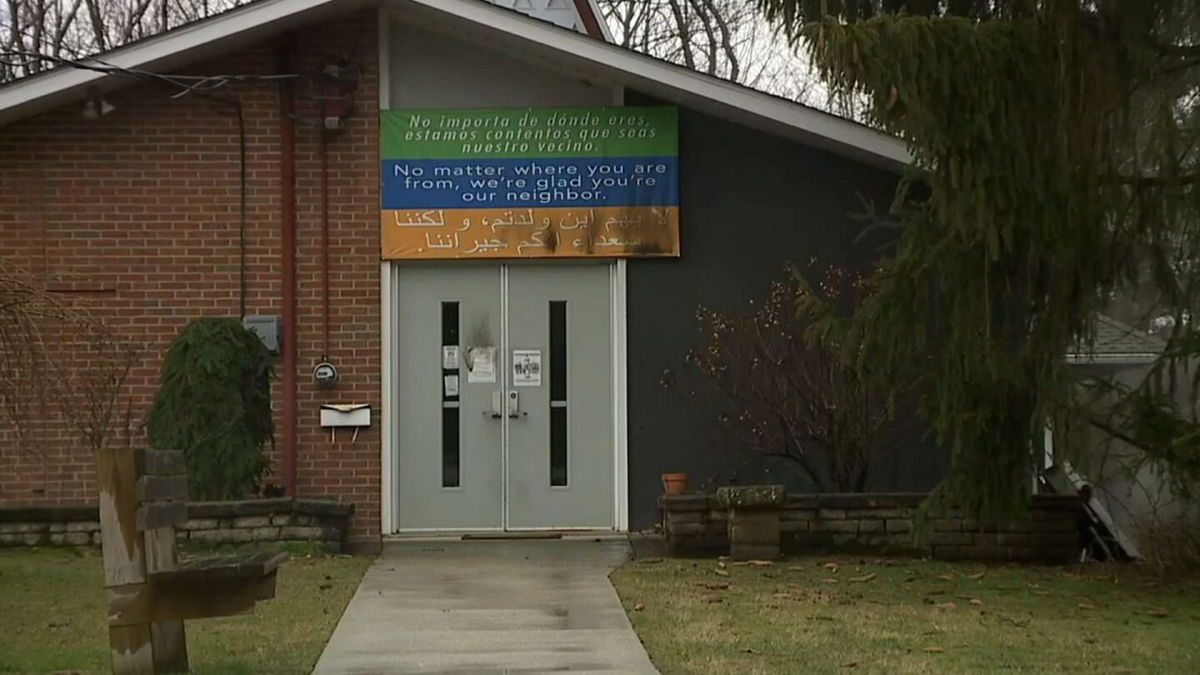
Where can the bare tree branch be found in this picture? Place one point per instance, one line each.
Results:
(54, 28)
(685, 34)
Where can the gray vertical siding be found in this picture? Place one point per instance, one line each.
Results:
(430, 70)
(750, 202)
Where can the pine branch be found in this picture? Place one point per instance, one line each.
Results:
(1160, 180)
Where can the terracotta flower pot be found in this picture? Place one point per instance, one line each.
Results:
(675, 483)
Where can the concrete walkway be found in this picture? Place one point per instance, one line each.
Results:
(450, 606)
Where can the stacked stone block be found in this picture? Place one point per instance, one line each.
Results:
(699, 525)
(753, 521)
(259, 520)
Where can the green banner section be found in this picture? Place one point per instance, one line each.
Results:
(521, 133)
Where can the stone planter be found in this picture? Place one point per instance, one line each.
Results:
(254, 520)
(753, 520)
(699, 525)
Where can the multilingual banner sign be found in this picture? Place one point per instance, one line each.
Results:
(505, 183)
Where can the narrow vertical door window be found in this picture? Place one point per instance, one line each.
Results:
(451, 460)
(558, 393)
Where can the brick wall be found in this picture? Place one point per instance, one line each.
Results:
(136, 215)
(696, 524)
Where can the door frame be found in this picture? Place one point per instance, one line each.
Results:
(390, 347)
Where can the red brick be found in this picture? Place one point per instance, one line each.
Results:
(146, 199)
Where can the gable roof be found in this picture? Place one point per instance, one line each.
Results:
(504, 29)
(582, 16)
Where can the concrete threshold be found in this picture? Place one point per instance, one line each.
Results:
(500, 535)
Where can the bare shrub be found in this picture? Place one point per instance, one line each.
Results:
(787, 393)
(57, 358)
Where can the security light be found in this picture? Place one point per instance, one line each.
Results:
(96, 106)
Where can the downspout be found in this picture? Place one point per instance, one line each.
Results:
(287, 200)
(324, 150)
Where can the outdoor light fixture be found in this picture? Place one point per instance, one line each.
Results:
(338, 83)
(96, 106)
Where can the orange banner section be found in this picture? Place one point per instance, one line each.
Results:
(614, 231)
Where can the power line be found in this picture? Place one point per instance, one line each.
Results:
(187, 84)
(201, 85)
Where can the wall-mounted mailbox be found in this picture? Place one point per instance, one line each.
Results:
(346, 414)
(342, 415)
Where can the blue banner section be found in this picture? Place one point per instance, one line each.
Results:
(502, 183)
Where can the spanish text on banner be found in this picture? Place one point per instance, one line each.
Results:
(571, 182)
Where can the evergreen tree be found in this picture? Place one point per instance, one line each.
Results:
(1054, 147)
(214, 403)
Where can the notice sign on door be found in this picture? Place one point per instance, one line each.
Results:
(502, 183)
(450, 357)
(481, 364)
(527, 367)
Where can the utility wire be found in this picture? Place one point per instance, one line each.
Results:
(200, 85)
(186, 83)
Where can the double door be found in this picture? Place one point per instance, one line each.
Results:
(505, 397)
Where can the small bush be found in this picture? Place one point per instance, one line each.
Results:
(1171, 546)
(214, 403)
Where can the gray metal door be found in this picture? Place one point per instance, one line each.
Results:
(505, 397)
(560, 447)
(450, 457)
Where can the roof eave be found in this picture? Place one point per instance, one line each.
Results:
(687, 87)
(657, 78)
(44, 91)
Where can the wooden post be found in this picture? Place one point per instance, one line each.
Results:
(124, 560)
(167, 638)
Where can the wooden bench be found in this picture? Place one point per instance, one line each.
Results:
(143, 497)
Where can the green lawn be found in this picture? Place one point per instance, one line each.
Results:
(854, 615)
(52, 615)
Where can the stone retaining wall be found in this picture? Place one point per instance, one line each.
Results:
(256, 520)
(697, 525)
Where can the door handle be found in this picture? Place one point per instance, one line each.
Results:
(514, 405)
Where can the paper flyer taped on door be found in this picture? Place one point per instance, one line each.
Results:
(481, 364)
(527, 368)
